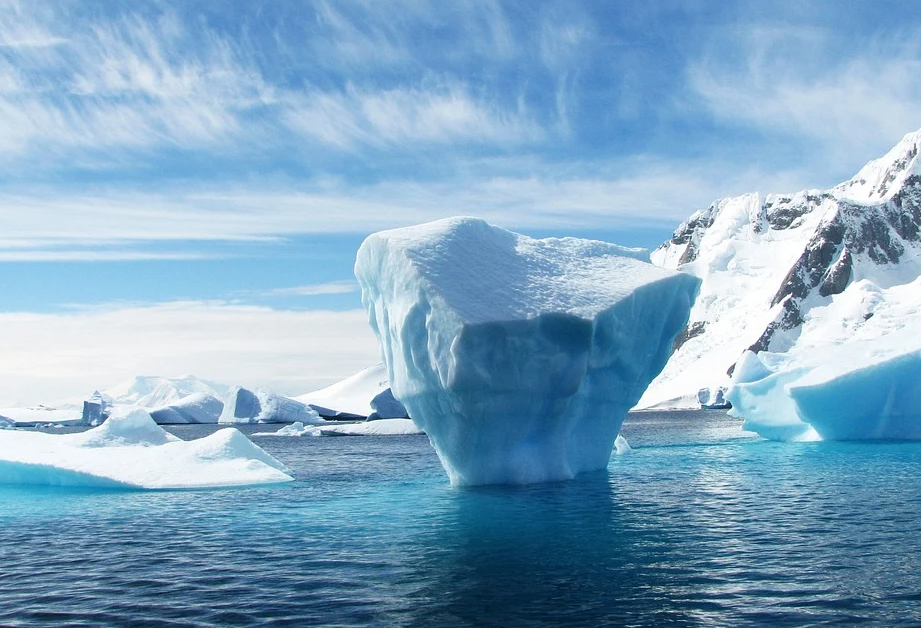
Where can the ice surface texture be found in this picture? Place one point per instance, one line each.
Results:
(129, 450)
(518, 357)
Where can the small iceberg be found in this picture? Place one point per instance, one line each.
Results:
(131, 451)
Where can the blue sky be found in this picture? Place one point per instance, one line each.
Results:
(207, 169)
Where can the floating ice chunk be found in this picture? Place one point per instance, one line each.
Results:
(386, 406)
(621, 446)
(262, 406)
(129, 450)
(518, 357)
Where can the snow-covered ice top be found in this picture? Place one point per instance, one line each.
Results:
(129, 450)
(527, 277)
(518, 357)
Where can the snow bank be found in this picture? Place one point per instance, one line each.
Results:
(262, 406)
(518, 357)
(129, 450)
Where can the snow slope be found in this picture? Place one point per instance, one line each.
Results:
(518, 357)
(129, 450)
(774, 267)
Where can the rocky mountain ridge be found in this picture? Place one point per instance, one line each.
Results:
(770, 264)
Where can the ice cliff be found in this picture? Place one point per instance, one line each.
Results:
(518, 357)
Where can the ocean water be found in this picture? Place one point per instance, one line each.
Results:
(702, 525)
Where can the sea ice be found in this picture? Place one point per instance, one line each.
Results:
(377, 427)
(129, 450)
(245, 406)
(518, 357)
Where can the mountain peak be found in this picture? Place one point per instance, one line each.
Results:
(881, 178)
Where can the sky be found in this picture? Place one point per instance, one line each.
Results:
(184, 183)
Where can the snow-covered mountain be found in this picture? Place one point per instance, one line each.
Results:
(784, 272)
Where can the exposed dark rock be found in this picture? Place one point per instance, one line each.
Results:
(838, 276)
(692, 330)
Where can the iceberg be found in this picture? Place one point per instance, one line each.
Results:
(129, 450)
(364, 394)
(518, 357)
(262, 406)
(194, 408)
(866, 389)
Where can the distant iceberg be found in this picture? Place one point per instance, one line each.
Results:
(518, 357)
(365, 394)
(262, 406)
(130, 450)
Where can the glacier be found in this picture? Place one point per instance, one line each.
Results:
(518, 357)
(129, 450)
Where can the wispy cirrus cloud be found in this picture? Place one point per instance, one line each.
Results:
(798, 83)
(314, 289)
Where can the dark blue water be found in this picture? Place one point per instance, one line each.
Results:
(697, 527)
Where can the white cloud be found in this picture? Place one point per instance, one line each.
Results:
(787, 82)
(49, 357)
(442, 114)
(314, 289)
(642, 192)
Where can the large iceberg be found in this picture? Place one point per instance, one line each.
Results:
(129, 450)
(857, 378)
(518, 357)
